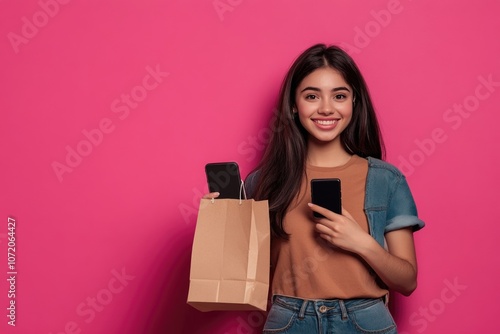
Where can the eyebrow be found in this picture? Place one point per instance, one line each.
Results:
(336, 89)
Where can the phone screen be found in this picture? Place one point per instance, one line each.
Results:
(224, 177)
(327, 194)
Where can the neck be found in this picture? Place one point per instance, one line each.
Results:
(330, 154)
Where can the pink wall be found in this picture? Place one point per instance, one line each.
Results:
(111, 109)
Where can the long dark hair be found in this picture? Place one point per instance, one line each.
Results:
(283, 164)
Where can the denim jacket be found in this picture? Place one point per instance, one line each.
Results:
(389, 204)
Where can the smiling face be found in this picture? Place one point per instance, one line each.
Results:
(324, 104)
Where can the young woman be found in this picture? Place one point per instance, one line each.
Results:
(333, 274)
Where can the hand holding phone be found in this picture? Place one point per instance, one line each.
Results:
(327, 194)
(224, 177)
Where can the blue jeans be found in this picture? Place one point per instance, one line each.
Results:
(291, 315)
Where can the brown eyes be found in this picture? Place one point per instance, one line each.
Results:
(336, 97)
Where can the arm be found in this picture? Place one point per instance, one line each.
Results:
(396, 267)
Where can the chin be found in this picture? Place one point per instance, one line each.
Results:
(323, 140)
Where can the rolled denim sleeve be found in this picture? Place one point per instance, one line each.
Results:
(402, 211)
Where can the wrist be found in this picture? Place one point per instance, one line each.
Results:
(367, 247)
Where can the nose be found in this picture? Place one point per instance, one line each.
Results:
(326, 107)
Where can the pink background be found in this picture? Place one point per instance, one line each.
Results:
(103, 245)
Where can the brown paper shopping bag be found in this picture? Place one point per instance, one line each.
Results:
(231, 254)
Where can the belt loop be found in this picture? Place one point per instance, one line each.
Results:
(302, 311)
(343, 309)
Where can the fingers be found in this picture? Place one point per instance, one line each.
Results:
(322, 229)
(327, 238)
(325, 212)
(211, 195)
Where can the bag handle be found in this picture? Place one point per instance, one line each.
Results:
(242, 187)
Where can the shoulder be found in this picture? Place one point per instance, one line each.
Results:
(251, 183)
(383, 167)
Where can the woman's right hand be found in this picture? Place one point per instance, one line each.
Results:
(211, 195)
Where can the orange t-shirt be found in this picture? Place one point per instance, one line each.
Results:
(307, 266)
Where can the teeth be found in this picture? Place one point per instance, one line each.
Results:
(325, 122)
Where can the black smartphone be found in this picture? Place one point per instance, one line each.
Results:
(327, 194)
(224, 177)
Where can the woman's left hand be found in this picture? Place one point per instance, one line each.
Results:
(339, 230)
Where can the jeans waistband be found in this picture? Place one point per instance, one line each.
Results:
(324, 306)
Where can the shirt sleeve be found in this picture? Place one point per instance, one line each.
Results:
(402, 211)
(250, 183)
